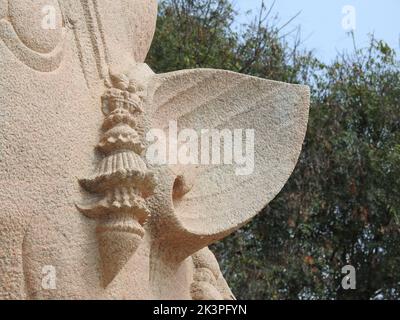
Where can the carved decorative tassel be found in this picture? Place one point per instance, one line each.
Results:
(122, 181)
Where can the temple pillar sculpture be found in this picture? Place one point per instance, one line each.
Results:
(84, 211)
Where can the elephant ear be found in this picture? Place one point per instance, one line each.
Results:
(210, 201)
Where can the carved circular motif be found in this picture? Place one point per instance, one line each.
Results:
(38, 23)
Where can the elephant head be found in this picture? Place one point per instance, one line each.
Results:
(74, 81)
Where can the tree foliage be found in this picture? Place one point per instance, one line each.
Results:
(341, 206)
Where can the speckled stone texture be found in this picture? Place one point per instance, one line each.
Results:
(53, 84)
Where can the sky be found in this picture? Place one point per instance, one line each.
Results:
(325, 23)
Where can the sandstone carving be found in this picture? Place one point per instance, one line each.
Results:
(84, 213)
(208, 282)
(20, 31)
(122, 179)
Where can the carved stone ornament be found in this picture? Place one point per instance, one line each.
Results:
(84, 213)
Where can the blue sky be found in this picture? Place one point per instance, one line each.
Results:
(321, 22)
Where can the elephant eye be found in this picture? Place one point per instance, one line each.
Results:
(38, 23)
